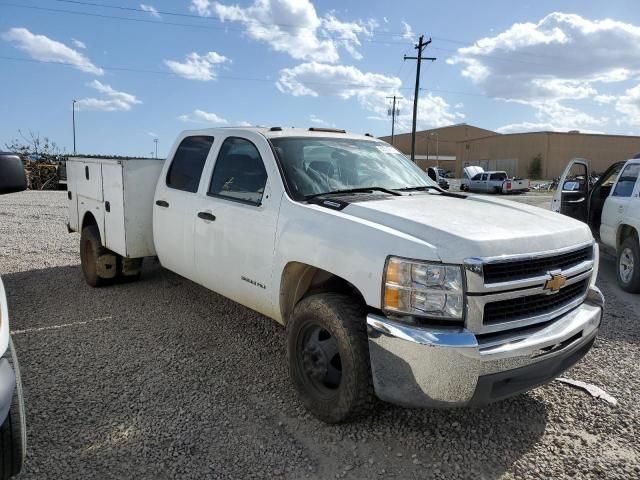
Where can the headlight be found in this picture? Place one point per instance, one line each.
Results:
(424, 289)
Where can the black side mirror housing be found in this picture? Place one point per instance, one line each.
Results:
(12, 176)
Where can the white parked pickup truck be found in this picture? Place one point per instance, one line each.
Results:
(611, 208)
(387, 284)
(477, 180)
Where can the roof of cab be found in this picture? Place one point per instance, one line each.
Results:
(277, 132)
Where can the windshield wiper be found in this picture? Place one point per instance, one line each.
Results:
(353, 190)
(418, 189)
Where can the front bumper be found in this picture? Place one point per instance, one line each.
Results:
(419, 367)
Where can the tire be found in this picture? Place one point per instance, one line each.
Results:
(628, 265)
(13, 432)
(90, 250)
(340, 319)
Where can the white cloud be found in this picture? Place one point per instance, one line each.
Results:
(78, 43)
(151, 9)
(561, 58)
(629, 104)
(244, 123)
(201, 7)
(319, 121)
(369, 89)
(293, 27)
(563, 48)
(200, 116)
(44, 49)
(197, 67)
(113, 100)
(408, 33)
(604, 99)
(152, 134)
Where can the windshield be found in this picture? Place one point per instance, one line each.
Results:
(315, 166)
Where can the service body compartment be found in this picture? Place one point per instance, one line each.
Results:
(119, 194)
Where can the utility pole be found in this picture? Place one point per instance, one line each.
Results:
(155, 140)
(393, 112)
(73, 117)
(420, 47)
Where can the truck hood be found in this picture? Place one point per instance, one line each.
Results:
(461, 228)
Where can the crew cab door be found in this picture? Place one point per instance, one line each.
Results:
(176, 202)
(571, 198)
(624, 192)
(236, 222)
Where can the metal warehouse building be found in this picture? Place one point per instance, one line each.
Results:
(457, 146)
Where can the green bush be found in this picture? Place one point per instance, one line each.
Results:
(535, 167)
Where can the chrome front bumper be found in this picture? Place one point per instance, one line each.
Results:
(419, 367)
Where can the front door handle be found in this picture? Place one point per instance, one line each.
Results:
(162, 203)
(207, 216)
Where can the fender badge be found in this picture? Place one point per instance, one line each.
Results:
(555, 283)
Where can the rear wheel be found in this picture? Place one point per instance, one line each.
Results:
(99, 265)
(13, 432)
(328, 354)
(628, 265)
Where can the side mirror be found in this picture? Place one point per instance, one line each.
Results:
(12, 176)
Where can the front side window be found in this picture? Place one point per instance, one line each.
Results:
(186, 168)
(484, 177)
(627, 180)
(314, 165)
(477, 176)
(239, 173)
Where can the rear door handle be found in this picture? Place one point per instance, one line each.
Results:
(162, 203)
(207, 216)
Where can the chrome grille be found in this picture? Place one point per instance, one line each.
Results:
(517, 269)
(507, 294)
(532, 305)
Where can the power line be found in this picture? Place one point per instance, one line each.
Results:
(226, 27)
(217, 77)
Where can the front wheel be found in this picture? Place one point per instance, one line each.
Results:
(628, 265)
(328, 355)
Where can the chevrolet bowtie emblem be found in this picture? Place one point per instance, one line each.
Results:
(555, 283)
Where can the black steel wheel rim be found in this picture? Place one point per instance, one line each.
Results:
(319, 360)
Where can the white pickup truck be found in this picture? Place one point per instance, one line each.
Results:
(475, 179)
(611, 208)
(387, 285)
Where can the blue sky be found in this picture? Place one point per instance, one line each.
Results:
(507, 66)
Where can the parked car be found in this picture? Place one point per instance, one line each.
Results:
(611, 208)
(13, 431)
(495, 182)
(386, 284)
(435, 174)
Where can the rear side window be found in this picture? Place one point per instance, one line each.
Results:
(499, 176)
(627, 180)
(186, 168)
(239, 173)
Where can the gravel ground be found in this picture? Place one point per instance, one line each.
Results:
(164, 379)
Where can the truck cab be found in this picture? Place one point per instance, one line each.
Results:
(611, 208)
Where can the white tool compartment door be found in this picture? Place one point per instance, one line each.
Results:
(112, 186)
(74, 170)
